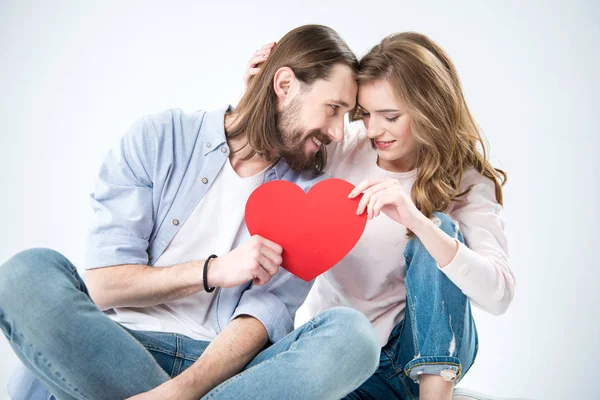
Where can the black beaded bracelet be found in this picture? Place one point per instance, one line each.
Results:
(204, 275)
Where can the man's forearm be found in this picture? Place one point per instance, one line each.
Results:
(142, 285)
(226, 356)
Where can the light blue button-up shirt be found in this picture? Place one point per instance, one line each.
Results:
(146, 189)
(150, 184)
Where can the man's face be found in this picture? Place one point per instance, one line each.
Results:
(315, 117)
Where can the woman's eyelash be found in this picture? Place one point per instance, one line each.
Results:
(364, 114)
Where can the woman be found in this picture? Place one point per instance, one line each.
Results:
(429, 193)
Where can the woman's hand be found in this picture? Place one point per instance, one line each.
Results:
(258, 58)
(387, 196)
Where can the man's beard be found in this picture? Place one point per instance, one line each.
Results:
(294, 138)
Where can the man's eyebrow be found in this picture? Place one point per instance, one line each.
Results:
(341, 103)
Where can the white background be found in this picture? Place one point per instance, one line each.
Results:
(75, 74)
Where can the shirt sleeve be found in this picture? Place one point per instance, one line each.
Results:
(481, 268)
(122, 202)
(275, 304)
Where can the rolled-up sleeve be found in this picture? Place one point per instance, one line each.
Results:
(122, 202)
(275, 304)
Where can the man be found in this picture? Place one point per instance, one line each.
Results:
(168, 229)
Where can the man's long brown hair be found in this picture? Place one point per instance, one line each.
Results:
(310, 51)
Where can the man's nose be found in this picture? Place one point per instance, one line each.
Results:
(336, 132)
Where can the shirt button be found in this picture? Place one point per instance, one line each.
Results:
(223, 149)
(204, 180)
(175, 222)
(208, 145)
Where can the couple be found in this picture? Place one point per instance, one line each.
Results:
(180, 303)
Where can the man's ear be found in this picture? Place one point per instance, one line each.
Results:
(283, 83)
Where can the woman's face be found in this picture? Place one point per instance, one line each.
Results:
(388, 126)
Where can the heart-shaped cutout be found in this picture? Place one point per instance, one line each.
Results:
(316, 229)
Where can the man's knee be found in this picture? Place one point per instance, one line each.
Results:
(356, 339)
(26, 271)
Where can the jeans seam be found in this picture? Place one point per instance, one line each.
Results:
(4, 322)
(395, 367)
(160, 350)
(458, 333)
(146, 340)
(176, 367)
(399, 374)
(474, 355)
(168, 353)
(75, 274)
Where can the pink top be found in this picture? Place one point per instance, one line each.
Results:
(371, 278)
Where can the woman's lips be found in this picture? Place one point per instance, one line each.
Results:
(380, 144)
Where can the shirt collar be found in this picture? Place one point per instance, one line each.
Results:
(213, 130)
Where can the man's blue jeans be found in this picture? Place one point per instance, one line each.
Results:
(77, 352)
(437, 335)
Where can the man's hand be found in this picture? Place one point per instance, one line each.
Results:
(256, 260)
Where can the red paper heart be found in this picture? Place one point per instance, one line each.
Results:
(316, 229)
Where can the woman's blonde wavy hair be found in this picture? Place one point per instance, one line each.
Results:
(424, 77)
